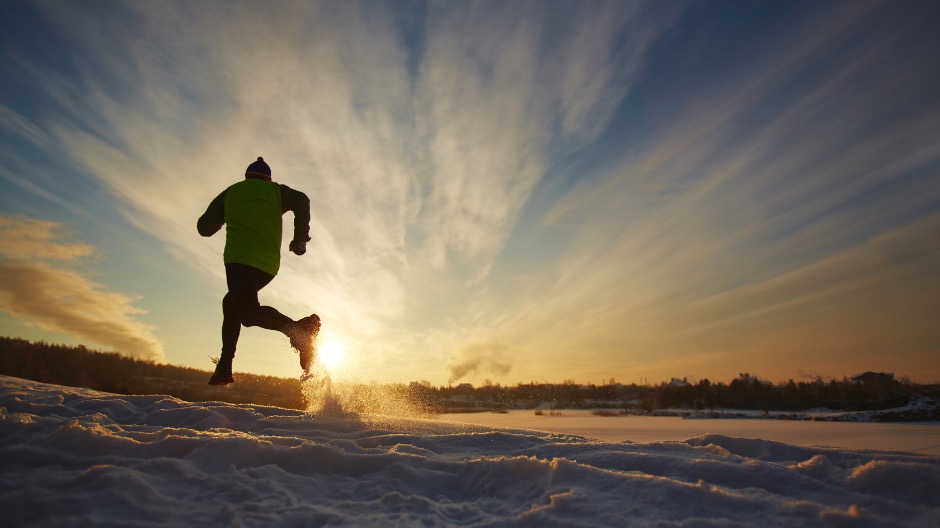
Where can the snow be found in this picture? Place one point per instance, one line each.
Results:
(78, 457)
(917, 437)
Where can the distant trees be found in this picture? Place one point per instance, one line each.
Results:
(110, 372)
(744, 392)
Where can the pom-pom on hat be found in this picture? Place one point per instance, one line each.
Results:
(259, 169)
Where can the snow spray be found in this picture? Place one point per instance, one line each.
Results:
(348, 398)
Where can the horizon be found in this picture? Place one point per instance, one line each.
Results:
(499, 191)
(692, 380)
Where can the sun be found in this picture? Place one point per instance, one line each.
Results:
(330, 354)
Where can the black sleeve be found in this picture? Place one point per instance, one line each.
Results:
(212, 220)
(298, 203)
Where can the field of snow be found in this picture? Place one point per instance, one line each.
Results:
(77, 457)
(916, 437)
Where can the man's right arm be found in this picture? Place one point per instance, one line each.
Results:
(212, 220)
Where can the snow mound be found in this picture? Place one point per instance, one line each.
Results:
(78, 457)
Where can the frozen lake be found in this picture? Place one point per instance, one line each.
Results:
(921, 438)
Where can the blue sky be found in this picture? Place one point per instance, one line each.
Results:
(512, 191)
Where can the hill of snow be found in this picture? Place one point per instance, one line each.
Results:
(79, 457)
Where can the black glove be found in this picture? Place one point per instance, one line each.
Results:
(298, 247)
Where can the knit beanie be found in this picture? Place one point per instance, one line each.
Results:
(259, 168)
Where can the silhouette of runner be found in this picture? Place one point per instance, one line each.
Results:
(251, 211)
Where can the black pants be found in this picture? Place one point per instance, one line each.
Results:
(240, 306)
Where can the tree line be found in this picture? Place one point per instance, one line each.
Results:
(745, 392)
(111, 372)
(78, 366)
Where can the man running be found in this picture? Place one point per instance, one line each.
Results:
(251, 211)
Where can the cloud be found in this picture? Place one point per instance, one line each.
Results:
(22, 127)
(757, 208)
(29, 238)
(64, 300)
(501, 87)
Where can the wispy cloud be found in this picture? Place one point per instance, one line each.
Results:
(759, 209)
(500, 87)
(39, 290)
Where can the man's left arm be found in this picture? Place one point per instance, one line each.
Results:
(298, 203)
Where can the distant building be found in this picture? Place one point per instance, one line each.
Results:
(869, 377)
(678, 383)
(748, 378)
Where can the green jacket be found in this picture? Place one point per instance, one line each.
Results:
(251, 211)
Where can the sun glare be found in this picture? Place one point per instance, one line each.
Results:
(330, 353)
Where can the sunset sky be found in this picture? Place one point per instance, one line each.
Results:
(512, 191)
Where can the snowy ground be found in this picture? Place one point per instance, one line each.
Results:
(916, 437)
(78, 457)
